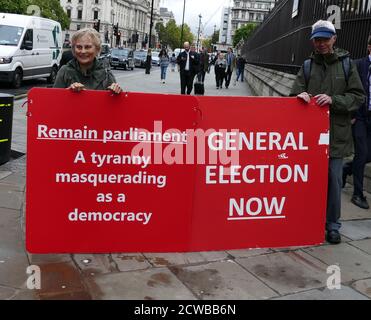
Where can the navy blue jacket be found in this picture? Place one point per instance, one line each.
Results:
(363, 66)
(194, 61)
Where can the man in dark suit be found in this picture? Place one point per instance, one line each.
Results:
(188, 61)
(361, 130)
(231, 64)
(67, 56)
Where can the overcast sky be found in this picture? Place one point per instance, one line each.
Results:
(210, 10)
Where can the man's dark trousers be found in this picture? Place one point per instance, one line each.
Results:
(362, 154)
(186, 82)
(228, 77)
(240, 72)
(334, 194)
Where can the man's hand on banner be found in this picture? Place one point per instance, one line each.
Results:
(323, 100)
(304, 96)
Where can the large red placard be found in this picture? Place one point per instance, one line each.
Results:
(126, 174)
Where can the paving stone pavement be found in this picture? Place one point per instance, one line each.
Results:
(278, 273)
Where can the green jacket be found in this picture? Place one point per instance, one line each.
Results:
(327, 77)
(97, 78)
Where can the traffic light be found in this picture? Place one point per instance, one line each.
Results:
(96, 25)
(136, 38)
(115, 29)
(146, 39)
(118, 38)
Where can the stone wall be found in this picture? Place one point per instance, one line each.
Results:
(268, 82)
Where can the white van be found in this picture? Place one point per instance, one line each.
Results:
(177, 51)
(30, 47)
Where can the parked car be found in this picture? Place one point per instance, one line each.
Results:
(140, 57)
(105, 55)
(155, 58)
(122, 58)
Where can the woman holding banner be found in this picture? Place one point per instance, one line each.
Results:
(84, 71)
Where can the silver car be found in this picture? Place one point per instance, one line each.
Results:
(155, 58)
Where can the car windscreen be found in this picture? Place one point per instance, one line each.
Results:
(121, 53)
(10, 35)
(140, 54)
(105, 49)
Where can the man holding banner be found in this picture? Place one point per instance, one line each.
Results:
(332, 80)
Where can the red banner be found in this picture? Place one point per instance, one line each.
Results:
(167, 173)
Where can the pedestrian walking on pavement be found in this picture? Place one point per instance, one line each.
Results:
(173, 62)
(361, 130)
(231, 65)
(188, 62)
(319, 78)
(204, 65)
(149, 61)
(240, 67)
(220, 70)
(164, 63)
(85, 71)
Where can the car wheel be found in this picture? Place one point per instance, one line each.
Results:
(17, 78)
(53, 75)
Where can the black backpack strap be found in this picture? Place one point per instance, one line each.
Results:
(307, 68)
(346, 68)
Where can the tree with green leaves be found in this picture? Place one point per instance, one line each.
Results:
(160, 29)
(50, 9)
(169, 35)
(172, 35)
(215, 37)
(187, 34)
(11, 6)
(207, 43)
(243, 33)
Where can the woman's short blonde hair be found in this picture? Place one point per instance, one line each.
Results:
(90, 32)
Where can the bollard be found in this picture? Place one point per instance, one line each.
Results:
(6, 121)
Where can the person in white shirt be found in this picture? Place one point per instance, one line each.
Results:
(188, 61)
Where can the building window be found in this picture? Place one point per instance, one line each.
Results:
(95, 15)
(80, 1)
(68, 13)
(79, 14)
(78, 27)
(96, 1)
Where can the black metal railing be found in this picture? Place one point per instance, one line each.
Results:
(281, 42)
